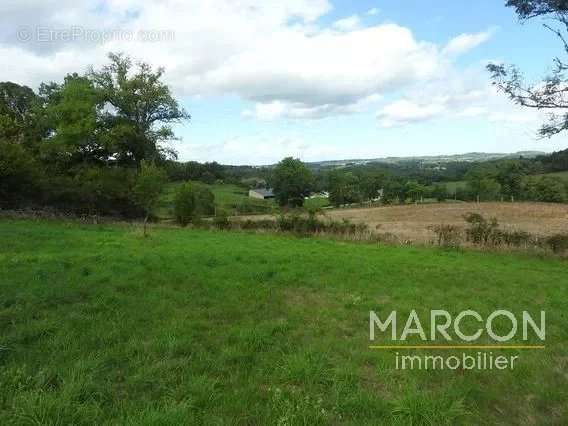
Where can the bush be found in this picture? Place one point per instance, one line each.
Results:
(294, 223)
(250, 224)
(18, 175)
(93, 191)
(486, 232)
(558, 243)
(481, 231)
(515, 238)
(221, 220)
(184, 204)
(191, 202)
(448, 235)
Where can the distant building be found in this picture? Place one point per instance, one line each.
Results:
(261, 193)
(323, 194)
(380, 195)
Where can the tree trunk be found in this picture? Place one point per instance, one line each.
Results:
(145, 224)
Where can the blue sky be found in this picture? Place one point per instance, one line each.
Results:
(528, 45)
(316, 79)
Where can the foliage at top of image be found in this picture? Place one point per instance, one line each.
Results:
(550, 94)
(120, 113)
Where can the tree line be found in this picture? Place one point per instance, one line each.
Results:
(87, 144)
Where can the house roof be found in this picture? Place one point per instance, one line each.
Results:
(264, 192)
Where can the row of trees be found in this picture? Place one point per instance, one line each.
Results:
(509, 180)
(512, 180)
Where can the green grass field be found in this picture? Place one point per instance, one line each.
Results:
(452, 187)
(560, 175)
(101, 326)
(233, 199)
(230, 198)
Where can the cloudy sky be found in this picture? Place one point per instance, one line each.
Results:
(316, 79)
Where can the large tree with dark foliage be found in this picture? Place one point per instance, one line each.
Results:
(552, 93)
(19, 107)
(139, 109)
(291, 181)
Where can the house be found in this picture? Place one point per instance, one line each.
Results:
(380, 195)
(323, 194)
(261, 193)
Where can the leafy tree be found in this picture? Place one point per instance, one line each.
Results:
(484, 188)
(546, 189)
(370, 184)
(510, 176)
(393, 190)
(19, 173)
(19, 107)
(482, 183)
(415, 191)
(440, 192)
(191, 202)
(139, 109)
(95, 190)
(72, 111)
(291, 181)
(552, 93)
(343, 188)
(149, 185)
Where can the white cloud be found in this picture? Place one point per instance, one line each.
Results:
(272, 53)
(465, 42)
(404, 111)
(273, 110)
(456, 94)
(276, 56)
(260, 150)
(347, 24)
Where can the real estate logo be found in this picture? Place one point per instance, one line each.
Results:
(468, 330)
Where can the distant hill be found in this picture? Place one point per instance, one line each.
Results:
(468, 157)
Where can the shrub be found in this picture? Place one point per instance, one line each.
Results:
(95, 190)
(448, 235)
(193, 201)
(480, 231)
(149, 185)
(294, 223)
(440, 192)
(221, 220)
(515, 238)
(18, 174)
(184, 204)
(558, 243)
(486, 232)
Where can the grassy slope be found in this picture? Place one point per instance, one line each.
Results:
(227, 197)
(100, 325)
(560, 175)
(452, 187)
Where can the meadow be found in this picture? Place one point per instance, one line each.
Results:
(102, 326)
(232, 199)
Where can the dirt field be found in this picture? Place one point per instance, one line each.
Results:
(410, 222)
